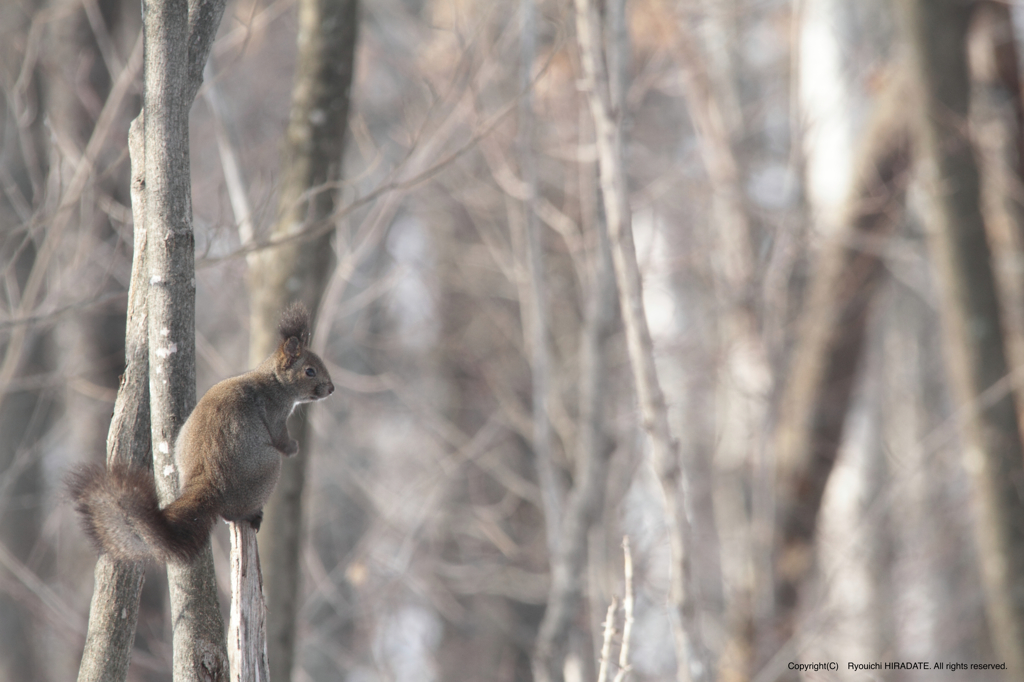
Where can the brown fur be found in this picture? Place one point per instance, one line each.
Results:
(228, 454)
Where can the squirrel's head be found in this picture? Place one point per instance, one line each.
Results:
(297, 366)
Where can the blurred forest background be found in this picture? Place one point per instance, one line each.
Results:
(825, 197)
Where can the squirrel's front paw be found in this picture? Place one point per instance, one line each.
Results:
(291, 447)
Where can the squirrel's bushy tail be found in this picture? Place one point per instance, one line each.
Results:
(121, 514)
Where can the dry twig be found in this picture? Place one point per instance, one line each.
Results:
(627, 611)
(606, 647)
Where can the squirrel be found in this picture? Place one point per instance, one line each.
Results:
(228, 454)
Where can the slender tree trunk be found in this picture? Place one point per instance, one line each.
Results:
(160, 342)
(691, 651)
(997, 128)
(96, 341)
(880, 618)
(975, 348)
(534, 305)
(114, 610)
(173, 71)
(299, 270)
(585, 502)
(747, 375)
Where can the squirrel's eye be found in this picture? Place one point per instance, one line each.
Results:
(310, 371)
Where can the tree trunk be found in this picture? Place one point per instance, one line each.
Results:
(997, 128)
(975, 349)
(247, 634)
(160, 342)
(114, 610)
(691, 651)
(533, 300)
(299, 270)
(585, 502)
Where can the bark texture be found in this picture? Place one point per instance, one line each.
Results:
(975, 349)
(299, 270)
(175, 34)
(177, 37)
(114, 610)
(247, 634)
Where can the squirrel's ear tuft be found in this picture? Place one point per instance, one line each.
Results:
(295, 323)
(291, 348)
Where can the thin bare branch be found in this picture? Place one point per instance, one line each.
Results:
(234, 180)
(534, 286)
(606, 642)
(627, 611)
